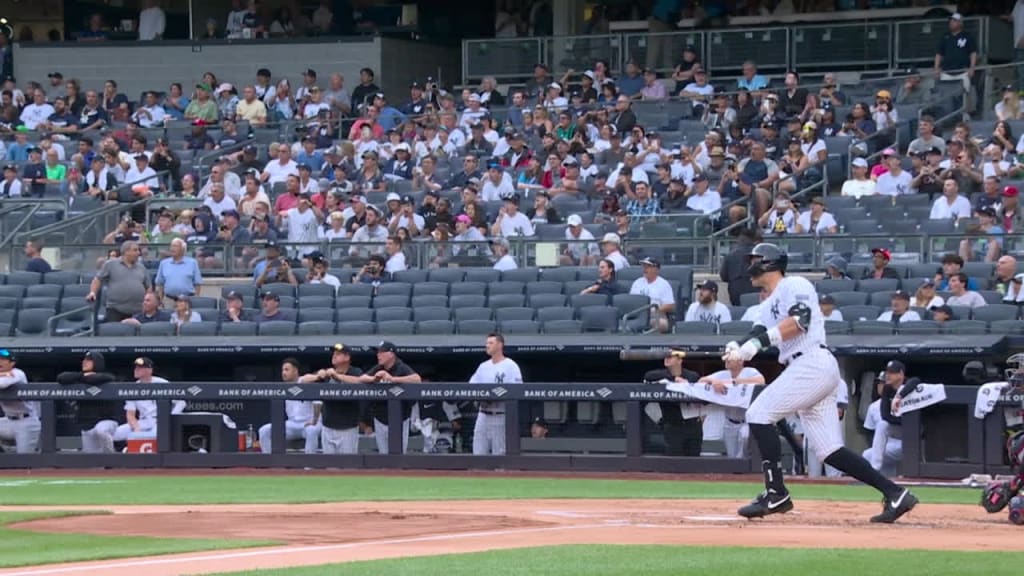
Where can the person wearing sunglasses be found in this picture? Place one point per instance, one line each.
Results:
(20, 423)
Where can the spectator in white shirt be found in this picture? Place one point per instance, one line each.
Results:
(895, 182)
(860, 184)
(610, 245)
(702, 199)
(278, 169)
(960, 295)
(816, 220)
(925, 297)
(473, 114)
(707, 308)
(303, 224)
(318, 273)
(781, 219)
(951, 204)
(152, 21)
(218, 201)
(699, 91)
(497, 184)
(659, 291)
(578, 252)
(38, 112)
(899, 311)
(370, 233)
(502, 259)
(396, 258)
(142, 172)
(827, 304)
(511, 222)
(151, 113)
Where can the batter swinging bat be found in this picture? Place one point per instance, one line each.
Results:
(659, 353)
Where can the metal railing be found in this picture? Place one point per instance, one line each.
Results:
(871, 45)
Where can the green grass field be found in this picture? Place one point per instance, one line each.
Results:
(676, 561)
(20, 547)
(26, 548)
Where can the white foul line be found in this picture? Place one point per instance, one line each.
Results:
(295, 550)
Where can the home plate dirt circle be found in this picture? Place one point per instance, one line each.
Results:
(343, 532)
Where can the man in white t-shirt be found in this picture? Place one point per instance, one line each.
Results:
(218, 201)
(735, 431)
(502, 259)
(152, 21)
(816, 220)
(707, 308)
(701, 198)
(498, 370)
(899, 311)
(951, 204)
(279, 169)
(577, 251)
(659, 291)
(895, 182)
(511, 222)
(302, 223)
(497, 184)
(860, 184)
(611, 246)
(396, 258)
(38, 112)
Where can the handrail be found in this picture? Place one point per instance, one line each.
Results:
(21, 224)
(51, 324)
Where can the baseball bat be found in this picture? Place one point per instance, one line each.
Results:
(659, 353)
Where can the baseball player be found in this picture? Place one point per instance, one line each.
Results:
(489, 432)
(680, 422)
(94, 439)
(887, 444)
(735, 431)
(339, 430)
(302, 416)
(389, 370)
(792, 322)
(813, 464)
(139, 414)
(20, 423)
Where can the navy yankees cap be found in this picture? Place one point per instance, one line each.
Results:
(895, 366)
(143, 362)
(386, 346)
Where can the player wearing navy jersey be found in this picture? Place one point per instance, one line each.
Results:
(791, 321)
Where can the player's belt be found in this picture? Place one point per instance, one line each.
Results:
(799, 354)
(16, 416)
(491, 412)
(735, 421)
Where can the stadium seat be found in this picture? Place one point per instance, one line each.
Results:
(878, 285)
(750, 299)
(598, 318)
(276, 328)
(356, 328)
(830, 286)
(281, 289)
(44, 291)
(315, 302)
(506, 287)
(544, 287)
(584, 300)
(506, 300)
(990, 296)
(921, 327)
(411, 276)
(430, 300)
(837, 327)
(392, 313)
(467, 288)
(484, 275)
(198, 329)
(962, 312)
(577, 286)
(203, 303)
(476, 326)
(446, 275)
(431, 289)
(396, 327)
(561, 274)
(995, 312)
(354, 315)
(157, 329)
(546, 300)
(562, 327)
(466, 301)
(316, 315)
(116, 329)
(859, 313)
(552, 313)
(425, 313)
(696, 328)
(390, 301)
(16, 291)
(322, 290)
(965, 327)
(23, 278)
(503, 315)
(47, 303)
(521, 275)
(871, 327)
(850, 298)
(355, 290)
(76, 290)
(61, 277)
(394, 289)
(1015, 327)
(435, 327)
(735, 328)
(352, 302)
(238, 329)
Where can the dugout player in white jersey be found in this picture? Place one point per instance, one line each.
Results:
(792, 322)
(20, 423)
(140, 414)
(303, 417)
(489, 432)
(735, 432)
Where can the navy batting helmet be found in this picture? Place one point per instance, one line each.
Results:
(767, 258)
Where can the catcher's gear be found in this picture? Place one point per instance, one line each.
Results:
(1017, 510)
(1015, 451)
(996, 496)
(767, 257)
(1015, 370)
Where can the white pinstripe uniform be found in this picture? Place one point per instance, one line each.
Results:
(489, 431)
(735, 431)
(807, 387)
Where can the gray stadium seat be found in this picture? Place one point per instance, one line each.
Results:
(990, 296)
(871, 327)
(995, 312)
(47, 303)
(965, 327)
(830, 286)
(881, 299)
(315, 302)
(921, 327)
(584, 300)
(1006, 327)
(153, 329)
(855, 313)
(962, 312)
(750, 299)
(561, 274)
(878, 285)
(485, 275)
(562, 327)
(503, 315)
(837, 327)
(44, 291)
(577, 286)
(205, 303)
(938, 227)
(470, 288)
(355, 290)
(424, 313)
(198, 329)
(9, 291)
(599, 318)
(76, 290)
(276, 328)
(316, 315)
(280, 288)
(396, 327)
(735, 328)
(392, 313)
(356, 328)
(354, 315)
(411, 276)
(394, 289)
(551, 313)
(850, 298)
(238, 329)
(506, 300)
(430, 300)
(431, 289)
(476, 326)
(24, 278)
(352, 302)
(472, 313)
(523, 275)
(466, 301)
(116, 329)
(506, 287)
(519, 327)
(390, 301)
(544, 287)
(696, 328)
(61, 277)
(324, 290)
(546, 300)
(435, 327)
(446, 275)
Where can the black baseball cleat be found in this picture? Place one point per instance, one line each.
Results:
(893, 509)
(767, 503)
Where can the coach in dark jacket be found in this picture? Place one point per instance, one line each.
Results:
(734, 267)
(90, 413)
(683, 436)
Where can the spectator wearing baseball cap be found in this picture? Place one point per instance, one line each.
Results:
(899, 310)
(880, 258)
(895, 181)
(611, 246)
(578, 251)
(234, 308)
(943, 313)
(1013, 219)
(827, 304)
(407, 217)
(707, 308)
(925, 296)
(511, 222)
(660, 294)
(988, 246)
(860, 184)
(816, 220)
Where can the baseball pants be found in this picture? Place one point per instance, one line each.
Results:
(886, 451)
(147, 429)
(489, 434)
(814, 463)
(100, 438)
(735, 435)
(23, 432)
(807, 387)
(292, 431)
(380, 434)
(339, 441)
